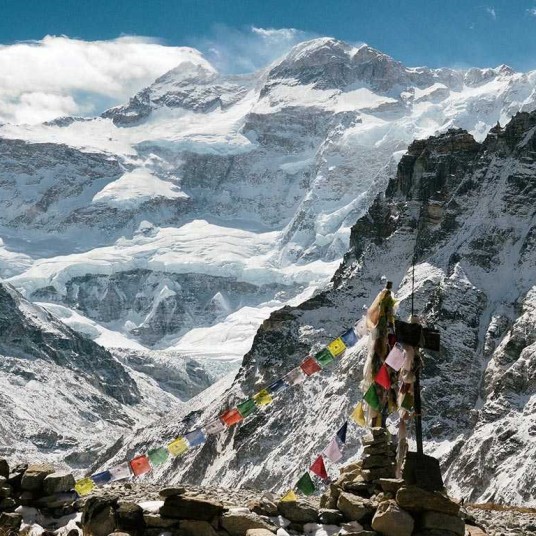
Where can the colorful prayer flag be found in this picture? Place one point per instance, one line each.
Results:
(333, 450)
(295, 376)
(336, 347)
(341, 433)
(305, 484)
(319, 469)
(358, 415)
(310, 366)
(263, 398)
(324, 357)
(120, 472)
(158, 456)
(178, 446)
(371, 398)
(195, 437)
(101, 478)
(382, 378)
(246, 408)
(277, 386)
(214, 427)
(407, 402)
(289, 496)
(396, 357)
(349, 338)
(84, 486)
(140, 465)
(231, 417)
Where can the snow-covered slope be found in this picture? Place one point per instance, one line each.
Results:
(208, 195)
(466, 211)
(63, 396)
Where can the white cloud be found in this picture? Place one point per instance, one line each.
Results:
(60, 76)
(233, 50)
(532, 11)
(491, 12)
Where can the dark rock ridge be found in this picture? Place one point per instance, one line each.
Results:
(61, 394)
(466, 212)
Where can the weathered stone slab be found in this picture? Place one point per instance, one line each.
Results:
(298, 511)
(354, 508)
(329, 516)
(439, 521)
(390, 485)
(391, 520)
(422, 471)
(58, 483)
(189, 527)
(237, 523)
(195, 508)
(33, 477)
(416, 499)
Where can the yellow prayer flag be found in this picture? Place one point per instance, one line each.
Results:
(358, 415)
(178, 446)
(263, 398)
(290, 497)
(378, 420)
(336, 347)
(84, 486)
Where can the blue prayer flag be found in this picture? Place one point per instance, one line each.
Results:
(195, 437)
(341, 434)
(277, 386)
(101, 478)
(349, 338)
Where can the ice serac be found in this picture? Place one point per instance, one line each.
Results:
(466, 212)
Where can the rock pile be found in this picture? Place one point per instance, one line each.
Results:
(38, 486)
(366, 500)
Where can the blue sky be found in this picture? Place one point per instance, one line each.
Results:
(79, 57)
(418, 32)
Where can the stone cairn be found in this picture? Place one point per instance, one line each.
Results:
(366, 500)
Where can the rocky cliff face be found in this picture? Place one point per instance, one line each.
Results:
(465, 212)
(62, 396)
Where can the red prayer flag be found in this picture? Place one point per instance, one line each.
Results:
(140, 465)
(319, 469)
(382, 378)
(231, 417)
(310, 366)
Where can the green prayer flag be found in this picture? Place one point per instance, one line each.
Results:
(246, 408)
(324, 357)
(371, 398)
(407, 403)
(305, 484)
(158, 456)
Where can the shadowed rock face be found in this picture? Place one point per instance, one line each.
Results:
(465, 212)
(29, 332)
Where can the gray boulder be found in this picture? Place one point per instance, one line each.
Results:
(354, 508)
(391, 520)
(237, 522)
(58, 483)
(34, 476)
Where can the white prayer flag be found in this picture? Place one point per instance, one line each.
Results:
(214, 427)
(120, 472)
(396, 357)
(333, 451)
(295, 376)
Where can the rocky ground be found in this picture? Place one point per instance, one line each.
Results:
(366, 500)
